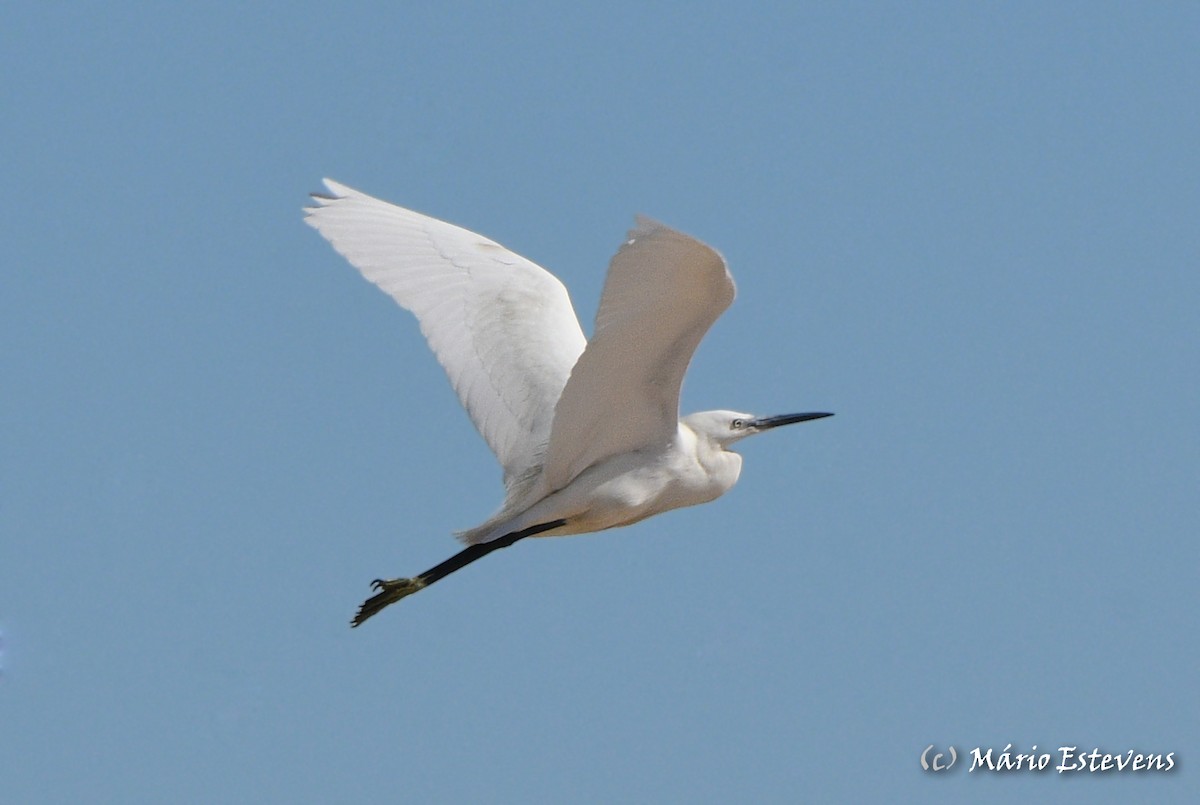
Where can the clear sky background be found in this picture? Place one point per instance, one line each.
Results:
(971, 230)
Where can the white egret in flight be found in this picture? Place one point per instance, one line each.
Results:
(588, 432)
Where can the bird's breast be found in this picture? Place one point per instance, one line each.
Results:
(630, 488)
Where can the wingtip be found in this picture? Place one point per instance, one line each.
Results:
(644, 225)
(334, 191)
(338, 189)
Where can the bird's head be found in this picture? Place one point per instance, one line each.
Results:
(727, 427)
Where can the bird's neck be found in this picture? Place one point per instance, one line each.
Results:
(720, 465)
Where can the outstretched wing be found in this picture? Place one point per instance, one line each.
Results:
(501, 327)
(664, 290)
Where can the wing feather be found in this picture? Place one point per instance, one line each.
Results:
(663, 292)
(502, 327)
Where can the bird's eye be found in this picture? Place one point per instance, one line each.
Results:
(737, 424)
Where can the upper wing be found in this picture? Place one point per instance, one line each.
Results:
(664, 290)
(501, 327)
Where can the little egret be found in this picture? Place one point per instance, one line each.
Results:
(588, 432)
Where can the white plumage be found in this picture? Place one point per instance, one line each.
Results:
(588, 433)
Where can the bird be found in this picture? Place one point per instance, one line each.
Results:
(588, 433)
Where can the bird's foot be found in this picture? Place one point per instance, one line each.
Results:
(388, 591)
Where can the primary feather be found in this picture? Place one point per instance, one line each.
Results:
(502, 327)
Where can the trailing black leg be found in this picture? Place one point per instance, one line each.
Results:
(389, 591)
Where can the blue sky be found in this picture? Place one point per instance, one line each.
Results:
(968, 229)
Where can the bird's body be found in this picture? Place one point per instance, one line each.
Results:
(588, 433)
(623, 489)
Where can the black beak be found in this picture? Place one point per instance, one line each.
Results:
(768, 422)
